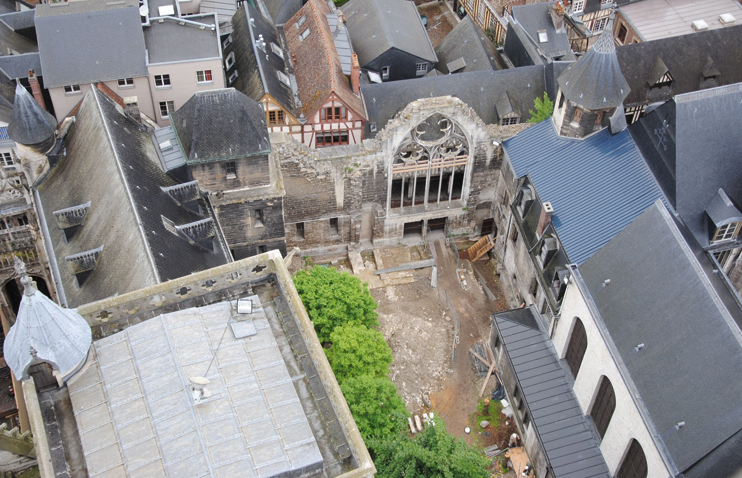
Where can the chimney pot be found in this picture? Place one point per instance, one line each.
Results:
(355, 74)
(132, 108)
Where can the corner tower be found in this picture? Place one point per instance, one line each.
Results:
(34, 130)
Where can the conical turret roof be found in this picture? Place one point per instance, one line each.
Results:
(45, 332)
(595, 81)
(31, 124)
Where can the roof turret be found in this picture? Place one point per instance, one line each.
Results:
(595, 81)
(31, 124)
(45, 332)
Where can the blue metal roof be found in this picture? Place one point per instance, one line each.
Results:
(4, 134)
(596, 185)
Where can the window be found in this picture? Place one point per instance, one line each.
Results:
(384, 72)
(300, 230)
(497, 343)
(126, 82)
(22, 220)
(262, 249)
(275, 118)
(578, 6)
(204, 76)
(665, 80)
(534, 288)
(284, 78)
(301, 21)
(600, 24)
(722, 257)
(227, 41)
(166, 107)
(229, 62)
(233, 77)
(334, 226)
(230, 169)
(304, 34)
(333, 113)
(635, 463)
(726, 232)
(526, 420)
(71, 89)
(543, 37)
(599, 118)
(7, 160)
(259, 218)
(622, 32)
(162, 81)
(332, 138)
(508, 121)
(577, 347)
(277, 50)
(606, 2)
(578, 116)
(604, 406)
(421, 69)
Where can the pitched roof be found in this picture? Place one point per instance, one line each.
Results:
(376, 26)
(703, 124)
(258, 69)
(280, 11)
(595, 80)
(19, 20)
(536, 20)
(17, 66)
(469, 42)
(663, 294)
(128, 207)
(597, 185)
(86, 42)
(317, 65)
(169, 41)
(31, 124)
(565, 436)
(9, 38)
(480, 90)
(220, 125)
(686, 59)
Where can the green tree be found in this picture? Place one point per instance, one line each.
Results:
(333, 299)
(431, 454)
(357, 350)
(376, 406)
(544, 109)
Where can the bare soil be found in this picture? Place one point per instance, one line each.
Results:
(439, 24)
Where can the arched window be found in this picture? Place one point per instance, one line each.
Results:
(635, 463)
(604, 406)
(577, 347)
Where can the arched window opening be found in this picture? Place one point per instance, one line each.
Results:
(577, 347)
(604, 406)
(635, 463)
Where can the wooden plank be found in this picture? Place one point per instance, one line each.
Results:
(407, 266)
(486, 379)
(479, 357)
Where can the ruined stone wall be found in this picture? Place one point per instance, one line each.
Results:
(250, 224)
(250, 173)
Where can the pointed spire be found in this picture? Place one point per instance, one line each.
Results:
(45, 332)
(31, 124)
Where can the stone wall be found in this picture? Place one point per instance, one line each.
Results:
(249, 173)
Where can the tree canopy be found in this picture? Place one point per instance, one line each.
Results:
(333, 299)
(375, 404)
(544, 109)
(357, 350)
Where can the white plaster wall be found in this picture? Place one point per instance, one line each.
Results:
(626, 422)
(63, 102)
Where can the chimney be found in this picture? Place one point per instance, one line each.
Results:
(545, 218)
(355, 74)
(132, 108)
(36, 88)
(557, 15)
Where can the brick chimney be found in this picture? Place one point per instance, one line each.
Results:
(132, 108)
(36, 88)
(547, 211)
(557, 15)
(355, 74)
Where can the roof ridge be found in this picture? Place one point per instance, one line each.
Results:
(323, 36)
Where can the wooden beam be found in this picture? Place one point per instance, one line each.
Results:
(407, 266)
(486, 379)
(479, 357)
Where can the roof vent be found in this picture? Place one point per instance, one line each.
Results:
(71, 219)
(543, 37)
(83, 264)
(165, 145)
(548, 208)
(727, 19)
(700, 25)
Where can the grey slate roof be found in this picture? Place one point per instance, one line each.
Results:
(595, 80)
(31, 124)
(375, 26)
(704, 124)
(14, 40)
(664, 295)
(722, 210)
(169, 41)
(220, 125)
(17, 66)
(258, 75)
(469, 42)
(686, 58)
(127, 207)
(535, 18)
(281, 10)
(94, 40)
(480, 90)
(19, 20)
(568, 442)
(597, 185)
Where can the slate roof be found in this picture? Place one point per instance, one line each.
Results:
(14, 40)
(280, 11)
(568, 442)
(597, 185)
(31, 124)
(376, 26)
(469, 42)
(535, 18)
(136, 414)
(126, 211)
(258, 69)
(17, 66)
(722, 209)
(686, 58)
(704, 124)
(169, 41)
(595, 80)
(90, 41)
(4, 134)
(220, 125)
(480, 90)
(19, 20)
(663, 294)
(172, 157)
(317, 67)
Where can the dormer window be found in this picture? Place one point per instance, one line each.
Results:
(724, 218)
(727, 232)
(227, 41)
(71, 219)
(665, 80)
(72, 89)
(525, 200)
(229, 62)
(83, 264)
(304, 34)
